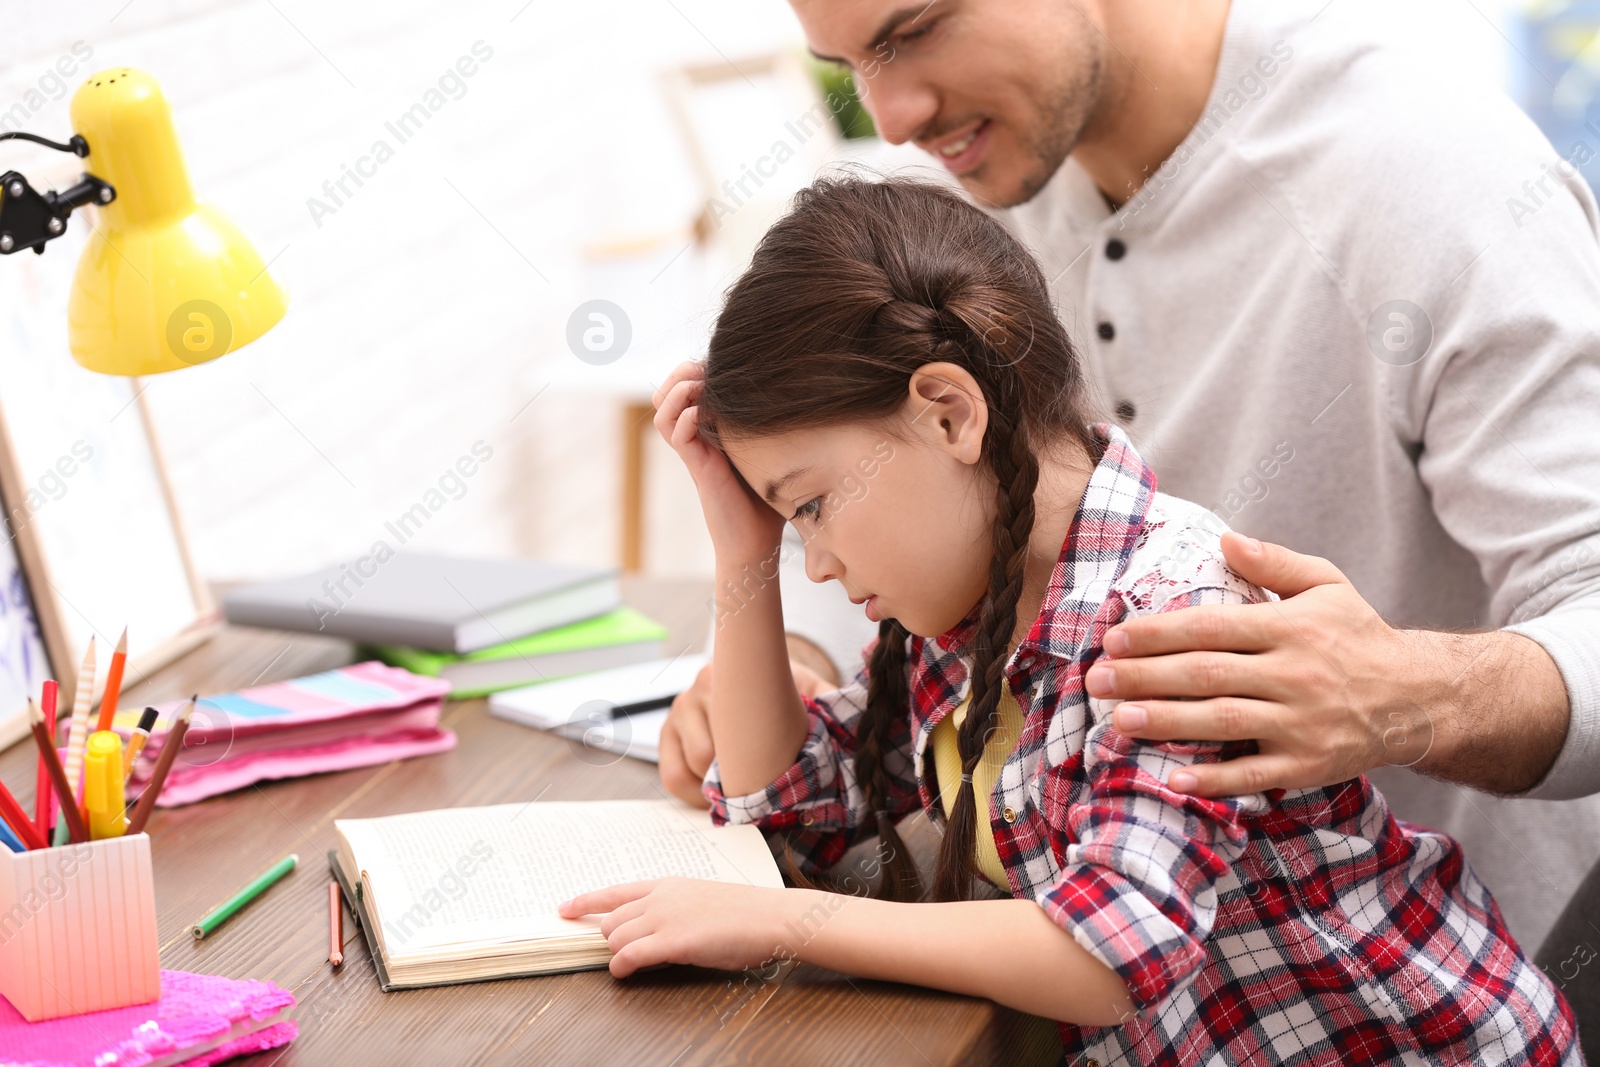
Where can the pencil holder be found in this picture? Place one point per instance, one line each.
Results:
(78, 928)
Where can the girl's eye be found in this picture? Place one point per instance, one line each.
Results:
(916, 34)
(811, 509)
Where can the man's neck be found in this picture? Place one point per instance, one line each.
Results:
(1163, 63)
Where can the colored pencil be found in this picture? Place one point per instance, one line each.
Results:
(78, 730)
(141, 734)
(108, 701)
(169, 752)
(72, 823)
(335, 926)
(41, 791)
(18, 820)
(260, 884)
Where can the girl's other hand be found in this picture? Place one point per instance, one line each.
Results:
(743, 528)
(686, 749)
(684, 920)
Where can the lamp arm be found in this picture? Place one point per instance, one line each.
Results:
(77, 145)
(29, 218)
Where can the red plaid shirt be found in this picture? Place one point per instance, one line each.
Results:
(1301, 927)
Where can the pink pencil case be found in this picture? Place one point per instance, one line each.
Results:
(185, 785)
(356, 716)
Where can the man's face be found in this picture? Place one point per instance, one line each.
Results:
(999, 91)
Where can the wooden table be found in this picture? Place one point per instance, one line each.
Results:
(679, 1016)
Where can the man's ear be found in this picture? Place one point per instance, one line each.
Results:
(945, 408)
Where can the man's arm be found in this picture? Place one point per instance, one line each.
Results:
(1329, 690)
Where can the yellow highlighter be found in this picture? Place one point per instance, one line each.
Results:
(102, 785)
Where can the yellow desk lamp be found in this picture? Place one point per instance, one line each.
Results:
(164, 282)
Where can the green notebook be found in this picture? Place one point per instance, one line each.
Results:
(615, 639)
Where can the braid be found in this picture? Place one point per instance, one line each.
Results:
(888, 702)
(1016, 471)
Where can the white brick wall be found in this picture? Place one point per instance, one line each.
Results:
(416, 327)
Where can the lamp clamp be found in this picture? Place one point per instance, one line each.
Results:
(29, 218)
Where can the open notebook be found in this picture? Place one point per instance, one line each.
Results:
(582, 709)
(466, 894)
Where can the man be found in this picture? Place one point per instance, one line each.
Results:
(1289, 254)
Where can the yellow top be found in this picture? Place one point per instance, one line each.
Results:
(947, 763)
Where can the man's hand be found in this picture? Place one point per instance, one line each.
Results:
(686, 748)
(1327, 689)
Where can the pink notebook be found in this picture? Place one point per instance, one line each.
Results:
(356, 716)
(200, 1019)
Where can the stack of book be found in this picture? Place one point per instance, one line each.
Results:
(481, 625)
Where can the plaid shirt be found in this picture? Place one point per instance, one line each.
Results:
(1300, 927)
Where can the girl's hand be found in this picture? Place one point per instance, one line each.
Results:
(686, 747)
(743, 528)
(684, 920)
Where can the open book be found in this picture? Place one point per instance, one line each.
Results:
(465, 894)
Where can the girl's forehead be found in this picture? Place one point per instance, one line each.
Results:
(833, 443)
(773, 463)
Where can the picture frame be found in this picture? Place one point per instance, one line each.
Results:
(92, 527)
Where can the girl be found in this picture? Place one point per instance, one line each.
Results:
(890, 376)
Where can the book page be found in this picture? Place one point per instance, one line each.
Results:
(497, 873)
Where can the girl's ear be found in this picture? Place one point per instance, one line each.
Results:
(946, 409)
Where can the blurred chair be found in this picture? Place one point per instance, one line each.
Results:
(756, 131)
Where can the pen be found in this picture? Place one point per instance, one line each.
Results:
(18, 819)
(108, 699)
(71, 823)
(41, 791)
(141, 734)
(650, 704)
(78, 730)
(335, 926)
(244, 896)
(102, 786)
(169, 752)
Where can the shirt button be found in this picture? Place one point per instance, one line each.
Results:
(1008, 813)
(806, 818)
(1092, 1063)
(1115, 249)
(1126, 411)
(1106, 331)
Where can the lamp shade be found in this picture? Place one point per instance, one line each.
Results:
(164, 282)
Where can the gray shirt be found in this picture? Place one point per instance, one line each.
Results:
(1357, 312)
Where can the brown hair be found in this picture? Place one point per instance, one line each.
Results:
(861, 283)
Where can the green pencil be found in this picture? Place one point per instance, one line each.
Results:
(244, 896)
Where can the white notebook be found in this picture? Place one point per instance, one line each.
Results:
(582, 709)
